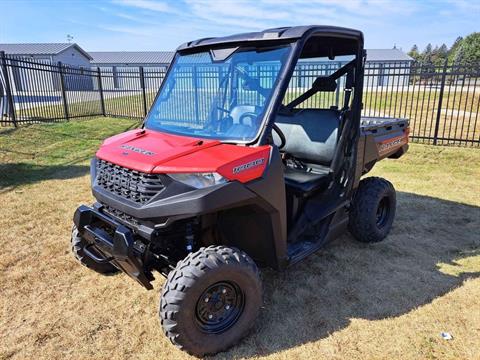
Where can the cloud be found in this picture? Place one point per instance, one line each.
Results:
(157, 6)
(137, 19)
(383, 21)
(229, 13)
(131, 30)
(260, 14)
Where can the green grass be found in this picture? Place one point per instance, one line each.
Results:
(41, 151)
(127, 106)
(450, 173)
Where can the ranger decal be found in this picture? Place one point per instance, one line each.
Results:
(248, 165)
(137, 150)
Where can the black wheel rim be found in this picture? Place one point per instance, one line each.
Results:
(383, 212)
(219, 307)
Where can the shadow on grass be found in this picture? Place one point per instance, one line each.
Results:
(348, 279)
(13, 175)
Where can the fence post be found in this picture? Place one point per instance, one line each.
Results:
(62, 88)
(195, 87)
(440, 101)
(8, 89)
(100, 89)
(144, 95)
(337, 91)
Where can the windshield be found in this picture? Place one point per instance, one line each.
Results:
(219, 99)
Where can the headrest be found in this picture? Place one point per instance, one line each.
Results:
(324, 83)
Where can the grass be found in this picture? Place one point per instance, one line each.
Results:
(350, 300)
(37, 152)
(89, 104)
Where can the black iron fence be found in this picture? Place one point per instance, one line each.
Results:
(33, 91)
(442, 102)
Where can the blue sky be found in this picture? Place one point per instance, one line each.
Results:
(163, 25)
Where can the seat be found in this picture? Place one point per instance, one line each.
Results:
(311, 137)
(304, 183)
(311, 134)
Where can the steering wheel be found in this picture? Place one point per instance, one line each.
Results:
(248, 114)
(281, 135)
(223, 110)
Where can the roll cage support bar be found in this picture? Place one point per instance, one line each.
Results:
(325, 83)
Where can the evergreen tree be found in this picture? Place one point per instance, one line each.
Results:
(427, 54)
(452, 51)
(413, 53)
(468, 51)
(441, 55)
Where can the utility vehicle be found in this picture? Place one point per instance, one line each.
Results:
(246, 159)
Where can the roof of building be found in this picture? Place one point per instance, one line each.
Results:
(40, 49)
(387, 55)
(132, 57)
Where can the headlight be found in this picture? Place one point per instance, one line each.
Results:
(199, 180)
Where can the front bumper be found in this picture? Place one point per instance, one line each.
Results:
(114, 241)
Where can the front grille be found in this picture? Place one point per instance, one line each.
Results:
(120, 215)
(129, 184)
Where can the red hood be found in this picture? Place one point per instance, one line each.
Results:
(144, 150)
(156, 152)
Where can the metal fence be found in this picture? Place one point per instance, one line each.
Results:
(442, 102)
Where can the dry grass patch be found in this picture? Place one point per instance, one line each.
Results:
(350, 300)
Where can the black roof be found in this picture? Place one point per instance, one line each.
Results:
(275, 34)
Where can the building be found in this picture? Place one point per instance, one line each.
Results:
(387, 67)
(50, 53)
(121, 67)
(131, 58)
(68, 54)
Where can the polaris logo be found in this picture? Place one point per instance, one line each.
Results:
(382, 148)
(248, 165)
(137, 150)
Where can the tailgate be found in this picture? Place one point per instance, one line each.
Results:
(384, 137)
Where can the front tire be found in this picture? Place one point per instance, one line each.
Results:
(373, 210)
(210, 300)
(78, 244)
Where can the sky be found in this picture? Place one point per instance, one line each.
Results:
(135, 25)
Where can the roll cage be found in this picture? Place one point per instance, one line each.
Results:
(306, 42)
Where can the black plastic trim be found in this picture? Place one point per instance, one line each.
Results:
(118, 249)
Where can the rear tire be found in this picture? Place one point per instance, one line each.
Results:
(78, 243)
(373, 210)
(210, 300)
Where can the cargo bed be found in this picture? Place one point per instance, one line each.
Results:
(381, 137)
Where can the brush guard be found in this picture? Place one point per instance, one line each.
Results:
(117, 249)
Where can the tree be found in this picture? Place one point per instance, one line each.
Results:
(434, 56)
(441, 55)
(414, 53)
(427, 68)
(468, 51)
(452, 51)
(427, 53)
